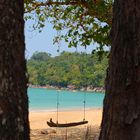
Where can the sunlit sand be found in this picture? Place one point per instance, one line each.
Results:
(39, 127)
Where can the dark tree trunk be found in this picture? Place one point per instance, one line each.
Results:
(13, 83)
(121, 113)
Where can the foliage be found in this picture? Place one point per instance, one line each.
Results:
(41, 56)
(82, 22)
(68, 69)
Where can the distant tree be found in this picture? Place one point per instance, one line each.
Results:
(14, 124)
(41, 56)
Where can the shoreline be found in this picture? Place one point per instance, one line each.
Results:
(87, 89)
(64, 109)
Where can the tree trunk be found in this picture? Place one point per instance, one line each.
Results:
(13, 82)
(121, 113)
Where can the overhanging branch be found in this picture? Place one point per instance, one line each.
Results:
(49, 3)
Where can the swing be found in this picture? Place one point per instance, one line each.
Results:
(71, 124)
(53, 124)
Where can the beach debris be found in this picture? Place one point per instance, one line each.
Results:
(44, 132)
(48, 131)
(74, 133)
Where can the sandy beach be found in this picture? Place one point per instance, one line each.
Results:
(38, 118)
(38, 121)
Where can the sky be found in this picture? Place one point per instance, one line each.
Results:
(43, 42)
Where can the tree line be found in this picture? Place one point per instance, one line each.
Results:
(79, 69)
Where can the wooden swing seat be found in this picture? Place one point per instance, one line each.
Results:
(52, 124)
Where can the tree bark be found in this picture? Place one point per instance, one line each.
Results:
(121, 112)
(14, 123)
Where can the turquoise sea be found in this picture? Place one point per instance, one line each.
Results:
(46, 99)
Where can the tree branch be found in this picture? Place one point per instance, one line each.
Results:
(49, 3)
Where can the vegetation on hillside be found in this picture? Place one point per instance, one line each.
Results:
(77, 69)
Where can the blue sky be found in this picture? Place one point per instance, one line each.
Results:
(43, 42)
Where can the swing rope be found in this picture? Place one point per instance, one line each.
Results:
(85, 97)
(57, 106)
(58, 50)
(84, 107)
